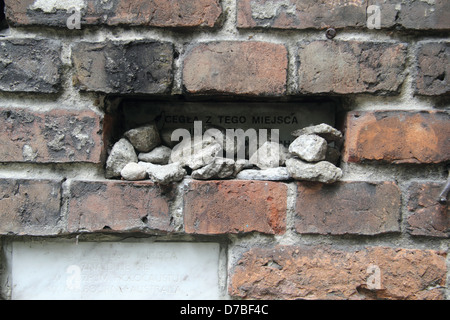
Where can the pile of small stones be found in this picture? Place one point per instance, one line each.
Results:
(140, 154)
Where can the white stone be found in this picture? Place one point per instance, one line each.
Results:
(121, 154)
(269, 155)
(196, 154)
(219, 168)
(133, 172)
(144, 138)
(323, 130)
(271, 174)
(164, 174)
(310, 147)
(159, 155)
(322, 171)
(114, 271)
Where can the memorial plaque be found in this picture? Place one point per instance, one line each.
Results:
(286, 117)
(51, 270)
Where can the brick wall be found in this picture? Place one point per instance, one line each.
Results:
(284, 240)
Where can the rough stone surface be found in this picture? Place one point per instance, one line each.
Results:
(121, 67)
(433, 68)
(121, 154)
(30, 207)
(133, 172)
(56, 136)
(164, 174)
(397, 137)
(234, 67)
(427, 217)
(158, 13)
(216, 207)
(159, 155)
(219, 168)
(145, 138)
(322, 130)
(30, 65)
(118, 206)
(344, 67)
(270, 155)
(271, 174)
(361, 208)
(195, 154)
(324, 273)
(310, 147)
(322, 171)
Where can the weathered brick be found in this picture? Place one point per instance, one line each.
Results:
(433, 68)
(320, 272)
(30, 207)
(397, 137)
(294, 14)
(30, 65)
(236, 68)
(313, 14)
(117, 206)
(344, 67)
(427, 217)
(56, 136)
(231, 207)
(414, 14)
(157, 13)
(123, 67)
(361, 208)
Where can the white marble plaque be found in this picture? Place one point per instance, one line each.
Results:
(119, 270)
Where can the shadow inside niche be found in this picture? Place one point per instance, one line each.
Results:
(3, 23)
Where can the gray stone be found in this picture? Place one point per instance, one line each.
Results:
(195, 155)
(310, 147)
(271, 174)
(270, 155)
(333, 155)
(144, 138)
(133, 172)
(322, 171)
(121, 154)
(323, 130)
(164, 174)
(159, 155)
(219, 168)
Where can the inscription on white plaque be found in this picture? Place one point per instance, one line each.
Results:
(50, 270)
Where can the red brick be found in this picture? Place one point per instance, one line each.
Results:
(313, 14)
(324, 273)
(360, 208)
(30, 207)
(397, 137)
(56, 136)
(116, 206)
(157, 13)
(433, 68)
(427, 217)
(236, 68)
(233, 207)
(344, 67)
